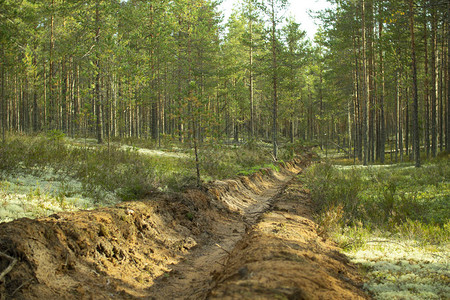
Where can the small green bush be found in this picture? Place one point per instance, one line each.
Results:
(221, 161)
(399, 199)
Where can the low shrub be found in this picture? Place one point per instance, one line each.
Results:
(393, 221)
(382, 198)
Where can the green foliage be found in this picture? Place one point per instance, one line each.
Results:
(331, 187)
(393, 221)
(128, 172)
(25, 152)
(224, 161)
(190, 216)
(55, 135)
(394, 199)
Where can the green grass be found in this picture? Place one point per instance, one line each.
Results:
(99, 169)
(393, 220)
(48, 173)
(220, 161)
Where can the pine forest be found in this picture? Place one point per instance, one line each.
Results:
(375, 78)
(224, 149)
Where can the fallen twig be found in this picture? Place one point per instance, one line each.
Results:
(223, 249)
(20, 286)
(222, 264)
(10, 267)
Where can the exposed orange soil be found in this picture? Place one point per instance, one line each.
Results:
(282, 257)
(245, 238)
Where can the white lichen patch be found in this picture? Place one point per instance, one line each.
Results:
(25, 195)
(398, 269)
(92, 144)
(152, 152)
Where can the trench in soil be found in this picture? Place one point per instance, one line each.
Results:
(244, 238)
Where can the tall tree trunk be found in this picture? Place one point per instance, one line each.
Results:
(154, 103)
(416, 140)
(371, 81)
(349, 128)
(274, 82)
(427, 87)
(252, 113)
(98, 104)
(76, 122)
(366, 98)
(447, 78)
(35, 98)
(400, 117)
(3, 105)
(407, 122)
(51, 95)
(382, 145)
(115, 90)
(433, 81)
(441, 89)
(357, 104)
(64, 75)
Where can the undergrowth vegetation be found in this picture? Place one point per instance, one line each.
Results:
(57, 173)
(393, 220)
(225, 161)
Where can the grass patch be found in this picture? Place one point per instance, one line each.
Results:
(220, 161)
(393, 220)
(98, 169)
(48, 173)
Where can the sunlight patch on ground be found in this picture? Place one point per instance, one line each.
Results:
(404, 269)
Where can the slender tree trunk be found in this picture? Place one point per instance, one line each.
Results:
(357, 104)
(322, 131)
(98, 104)
(441, 89)
(416, 140)
(51, 95)
(433, 82)
(45, 108)
(400, 118)
(407, 122)
(64, 75)
(427, 87)
(76, 102)
(366, 105)
(154, 103)
(349, 128)
(115, 88)
(274, 82)
(447, 78)
(371, 82)
(382, 145)
(3, 111)
(252, 113)
(35, 98)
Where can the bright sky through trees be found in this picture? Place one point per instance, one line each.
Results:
(299, 9)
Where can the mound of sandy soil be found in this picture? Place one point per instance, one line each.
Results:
(192, 245)
(283, 257)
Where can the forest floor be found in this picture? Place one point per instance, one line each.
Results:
(251, 237)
